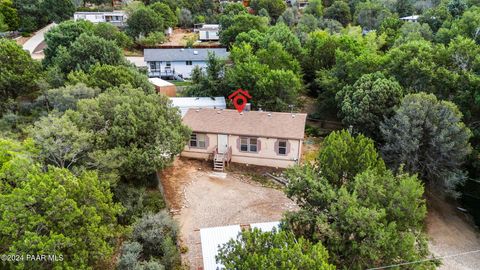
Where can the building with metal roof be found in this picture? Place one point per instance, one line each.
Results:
(185, 103)
(178, 63)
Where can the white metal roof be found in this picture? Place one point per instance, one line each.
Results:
(413, 17)
(185, 103)
(211, 239)
(265, 226)
(159, 82)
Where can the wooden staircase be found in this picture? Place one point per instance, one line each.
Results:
(220, 159)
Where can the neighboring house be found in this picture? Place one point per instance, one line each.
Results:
(209, 32)
(164, 87)
(178, 63)
(117, 18)
(185, 103)
(256, 137)
(413, 18)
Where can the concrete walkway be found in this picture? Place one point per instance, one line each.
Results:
(37, 39)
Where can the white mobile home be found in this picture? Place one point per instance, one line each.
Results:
(209, 32)
(185, 103)
(178, 63)
(117, 18)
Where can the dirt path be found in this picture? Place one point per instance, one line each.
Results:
(205, 200)
(450, 233)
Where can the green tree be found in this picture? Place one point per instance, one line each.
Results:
(277, 90)
(18, 72)
(86, 51)
(272, 250)
(370, 15)
(158, 233)
(427, 136)
(233, 26)
(10, 14)
(210, 83)
(58, 10)
(110, 32)
(61, 142)
(366, 103)
(143, 21)
(339, 11)
(169, 17)
(55, 213)
(108, 76)
(403, 7)
(64, 34)
(66, 98)
(275, 8)
(184, 16)
(343, 156)
(315, 7)
(456, 7)
(373, 220)
(31, 14)
(282, 60)
(282, 34)
(413, 31)
(136, 133)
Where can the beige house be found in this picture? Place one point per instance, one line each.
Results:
(255, 137)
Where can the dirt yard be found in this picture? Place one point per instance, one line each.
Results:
(451, 233)
(179, 37)
(200, 198)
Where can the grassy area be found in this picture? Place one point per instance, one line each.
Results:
(132, 52)
(179, 83)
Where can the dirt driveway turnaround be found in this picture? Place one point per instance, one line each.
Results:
(201, 199)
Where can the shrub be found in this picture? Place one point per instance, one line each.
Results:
(158, 234)
(152, 39)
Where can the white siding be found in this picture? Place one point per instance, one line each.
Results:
(211, 239)
(209, 35)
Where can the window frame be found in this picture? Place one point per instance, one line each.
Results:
(279, 147)
(198, 140)
(249, 145)
(189, 63)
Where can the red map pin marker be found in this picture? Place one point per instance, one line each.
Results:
(237, 96)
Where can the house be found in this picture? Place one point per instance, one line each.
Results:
(254, 137)
(185, 103)
(178, 63)
(117, 18)
(209, 32)
(413, 18)
(164, 87)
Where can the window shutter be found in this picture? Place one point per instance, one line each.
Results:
(259, 145)
(276, 147)
(238, 144)
(288, 148)
(207, 141)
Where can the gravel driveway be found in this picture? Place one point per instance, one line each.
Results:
(450, 233)
(201, 199)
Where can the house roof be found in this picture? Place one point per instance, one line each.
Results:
(413, 17)
(185, 103)
(211, 239)
(159, 82)
(183, 54)
(252, 123)
(210, 27)
(115, 12)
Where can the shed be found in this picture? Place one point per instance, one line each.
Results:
(211, 239)
(266, 226)
(185, 103)
(164, 87)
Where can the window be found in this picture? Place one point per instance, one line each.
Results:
(282, 147)
(197, 140)
(155, 66)
(248, 145)
(169, 64)
(189, 63)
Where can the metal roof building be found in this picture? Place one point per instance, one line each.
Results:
(185, 103)
(211, 239)
(183, 54)
(214, 237)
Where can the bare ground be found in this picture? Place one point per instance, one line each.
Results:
(450, 233)
(200, 200)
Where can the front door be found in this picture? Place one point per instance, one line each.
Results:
(222, 143)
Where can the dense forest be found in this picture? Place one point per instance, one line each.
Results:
(83, 133)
